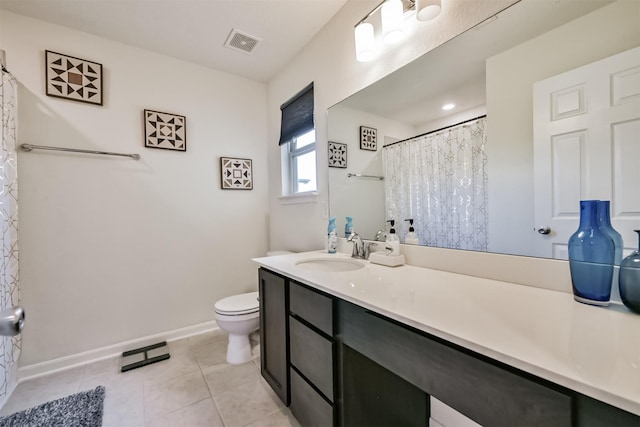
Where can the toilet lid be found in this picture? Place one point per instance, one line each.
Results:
(238, 304)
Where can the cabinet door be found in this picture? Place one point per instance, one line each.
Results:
(273, 333)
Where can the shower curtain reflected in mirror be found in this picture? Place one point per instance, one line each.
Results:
(9, 290)
(440, 180)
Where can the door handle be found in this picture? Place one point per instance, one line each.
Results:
(545, 229)
(11, 321)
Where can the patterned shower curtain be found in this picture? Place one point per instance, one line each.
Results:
(9, 291)
(440, 181)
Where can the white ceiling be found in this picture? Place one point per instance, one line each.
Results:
(195, 30)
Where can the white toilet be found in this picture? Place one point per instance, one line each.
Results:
(239, 315)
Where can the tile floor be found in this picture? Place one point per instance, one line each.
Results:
(195, 387)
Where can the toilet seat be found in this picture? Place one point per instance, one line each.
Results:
(238, 305)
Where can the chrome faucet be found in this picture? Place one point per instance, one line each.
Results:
(380, 236)
(361, 249)
(358, 245)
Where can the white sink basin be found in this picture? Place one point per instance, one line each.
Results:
(330, 264)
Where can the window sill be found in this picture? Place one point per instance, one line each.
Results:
(293, 199)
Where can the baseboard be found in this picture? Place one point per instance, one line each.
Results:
(67, 362)
(12, 381)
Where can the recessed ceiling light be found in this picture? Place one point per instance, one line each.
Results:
(447, 107)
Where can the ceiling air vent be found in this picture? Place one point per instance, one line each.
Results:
(241, 41)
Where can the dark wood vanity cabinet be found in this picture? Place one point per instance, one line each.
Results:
(274, 357)
(487, 391)
(338, 364)
(483, 392)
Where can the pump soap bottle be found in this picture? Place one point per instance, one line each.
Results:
(392, 243)
(332, 237)
(348, 227)
(412, 237)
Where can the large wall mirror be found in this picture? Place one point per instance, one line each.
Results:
(547, 112)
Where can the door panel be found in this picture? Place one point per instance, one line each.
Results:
(586, 146)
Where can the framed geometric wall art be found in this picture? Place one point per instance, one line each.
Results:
(337, 155)
(165, 130)
(73, 78)
(236, 174)
(368, 138)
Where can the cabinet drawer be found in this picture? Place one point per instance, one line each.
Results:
(307, 406)
(311, 306)
(312, 355)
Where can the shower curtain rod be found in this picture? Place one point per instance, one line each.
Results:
(437, 130)
(29, 147)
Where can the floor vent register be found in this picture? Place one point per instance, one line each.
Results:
(144, 356)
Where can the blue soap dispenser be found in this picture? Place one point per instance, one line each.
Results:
(348, 227)
(332, 237)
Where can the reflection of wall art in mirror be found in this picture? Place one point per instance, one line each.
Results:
(236, 174)
(73, 78)
(337, 155)
(368, 138)
(164, 130)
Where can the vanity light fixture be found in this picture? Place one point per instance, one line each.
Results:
(392, 17)
(448, 107)
(427, 9)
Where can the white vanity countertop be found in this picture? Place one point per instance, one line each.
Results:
(593, 350)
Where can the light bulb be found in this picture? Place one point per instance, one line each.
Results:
(392, 21)
(427, 9)
(365, 42)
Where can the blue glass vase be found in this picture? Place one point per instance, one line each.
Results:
(604, 222)
(591, 257)
(630, 279)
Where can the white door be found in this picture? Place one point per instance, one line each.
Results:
(586, 130)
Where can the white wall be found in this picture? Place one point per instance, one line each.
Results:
(361, 198)
(510, 76)
(112, 249)
(329, 61)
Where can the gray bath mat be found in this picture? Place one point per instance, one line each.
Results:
(82, 409)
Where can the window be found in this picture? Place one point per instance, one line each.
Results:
(298, 142)
(302, 163)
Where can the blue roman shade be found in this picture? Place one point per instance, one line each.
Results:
(297, 115)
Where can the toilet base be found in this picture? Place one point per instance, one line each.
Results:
(239, 349)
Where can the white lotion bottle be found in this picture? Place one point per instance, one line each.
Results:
(411, 238)
(392, 244)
